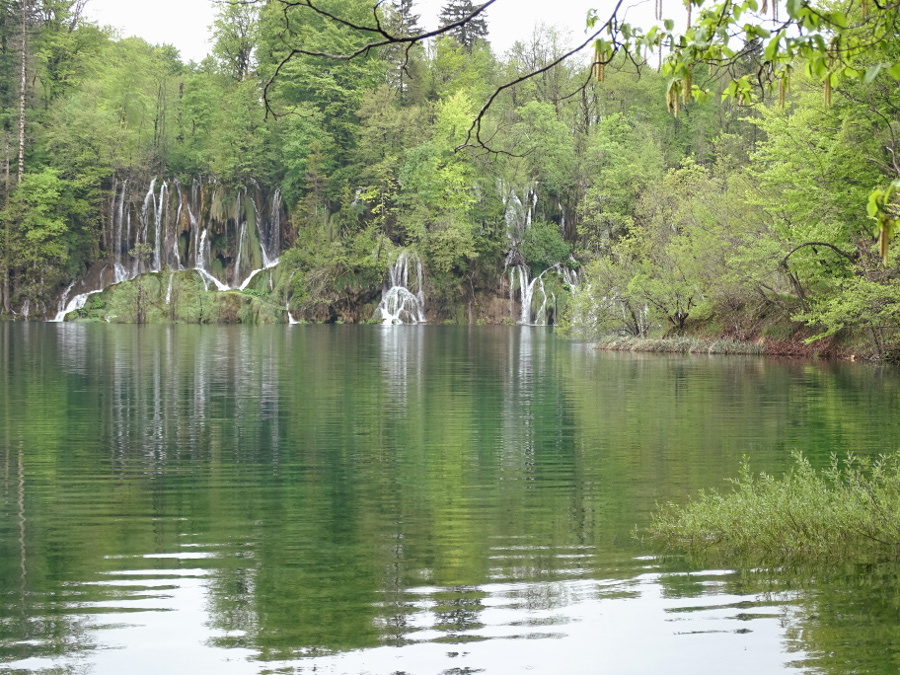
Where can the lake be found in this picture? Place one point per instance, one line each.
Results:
(419, 500)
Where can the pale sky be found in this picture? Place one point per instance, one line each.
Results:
(185, 23)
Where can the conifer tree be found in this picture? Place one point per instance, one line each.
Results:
(469, 32)
(407, 22)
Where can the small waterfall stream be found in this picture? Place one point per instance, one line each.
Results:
(403, 296)
(534, 299)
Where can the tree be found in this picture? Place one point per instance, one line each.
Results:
(37, 213)
(24, 15)
(405, 60)
(470, 28)
(235, 34)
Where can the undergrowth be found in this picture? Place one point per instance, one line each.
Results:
(850, 510)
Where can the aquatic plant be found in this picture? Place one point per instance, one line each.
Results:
(849, 510)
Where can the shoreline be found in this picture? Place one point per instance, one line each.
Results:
(824, 349)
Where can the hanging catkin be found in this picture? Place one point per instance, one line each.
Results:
(599, 65)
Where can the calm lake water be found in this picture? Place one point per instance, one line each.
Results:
(419, 500)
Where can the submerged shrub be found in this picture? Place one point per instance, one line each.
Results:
(850, 509)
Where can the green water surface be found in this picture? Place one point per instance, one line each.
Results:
(420, 500)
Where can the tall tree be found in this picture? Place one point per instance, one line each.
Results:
(405, 60)
(469, 31)
(236, 34)
(24, 9)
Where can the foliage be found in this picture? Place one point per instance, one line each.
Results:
(849, 510)
(754, 204)
(471, 31)
(870, 305)
(543, 246)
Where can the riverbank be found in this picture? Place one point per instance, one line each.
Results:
(712, 345)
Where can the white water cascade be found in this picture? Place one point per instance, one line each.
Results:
(532, 293)
(227, 235)
(403, 296)
(530, 302)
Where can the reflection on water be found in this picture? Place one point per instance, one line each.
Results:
(405, 500)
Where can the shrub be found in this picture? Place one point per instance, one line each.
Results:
(850, 509)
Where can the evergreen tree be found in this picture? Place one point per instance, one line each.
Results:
(472, 30)
(407, 22)
(406, 61)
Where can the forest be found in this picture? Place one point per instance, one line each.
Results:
(642, 186)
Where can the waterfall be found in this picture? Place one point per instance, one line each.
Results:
(161, 212)
(119, 268)
(271, 240)
(403, 296)
(532, 293)
(176, 253)
(64, 297)
(202, 257)
(529, 291)
(291, 320)
(73, 305)
(167, 226)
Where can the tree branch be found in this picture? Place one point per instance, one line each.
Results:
(475, 129)
(852, 257)
(383, 37)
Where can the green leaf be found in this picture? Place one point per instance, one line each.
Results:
(874, 205)
(669, 25)
(872, 72)
(771, 49)
(894, 71)
(838, 19)
(793, 7)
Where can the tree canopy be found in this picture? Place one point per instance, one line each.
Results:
(737, 176)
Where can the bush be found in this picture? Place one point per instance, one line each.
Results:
(850, 509)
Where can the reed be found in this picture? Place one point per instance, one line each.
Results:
(847, 511)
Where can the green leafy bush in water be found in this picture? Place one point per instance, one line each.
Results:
(849, 510)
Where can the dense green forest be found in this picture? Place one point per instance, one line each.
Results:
(268, 185)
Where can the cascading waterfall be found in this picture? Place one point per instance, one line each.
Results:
(228, 235)
(202, 257)
(403, 296)
(534, 301)
(532, 293)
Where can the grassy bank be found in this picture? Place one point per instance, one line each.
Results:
(680, 345)
(725, 345)
(849, 511)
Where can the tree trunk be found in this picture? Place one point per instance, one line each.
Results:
(4, 290)
(23, 87)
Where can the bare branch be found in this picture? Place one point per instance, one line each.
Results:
(475, 129)
(383, 37)
(852, 257)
